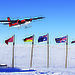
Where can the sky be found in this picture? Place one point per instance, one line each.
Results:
(59, 19)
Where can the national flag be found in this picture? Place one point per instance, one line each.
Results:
(42, 38)
(61, 39)
(9, 40)
(28, 39)
(73, 42)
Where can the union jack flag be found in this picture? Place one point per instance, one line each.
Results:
(61, 39)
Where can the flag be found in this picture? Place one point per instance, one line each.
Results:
(61, 39)
(28, 39)
(42, 38)
(73, 42)
(9, 40)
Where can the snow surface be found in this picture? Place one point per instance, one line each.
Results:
(56, 57)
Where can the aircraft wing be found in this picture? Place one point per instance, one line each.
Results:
(38, 18)
(6, 21)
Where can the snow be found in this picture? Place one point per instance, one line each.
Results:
(56, 57)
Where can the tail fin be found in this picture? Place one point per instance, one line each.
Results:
(10, 24)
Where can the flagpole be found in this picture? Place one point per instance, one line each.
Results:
(32, 52)
(47, 50)
(13, 52)
(66, 52)
(50, 49)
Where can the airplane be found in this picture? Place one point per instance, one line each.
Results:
(19, 23)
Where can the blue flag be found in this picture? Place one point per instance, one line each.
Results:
(42, 38)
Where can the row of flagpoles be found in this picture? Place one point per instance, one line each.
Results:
(30, 39)
(40, 39)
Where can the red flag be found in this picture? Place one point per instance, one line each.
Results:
(9, 40)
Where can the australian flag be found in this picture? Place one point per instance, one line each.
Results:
(42, 38)
(61, 39)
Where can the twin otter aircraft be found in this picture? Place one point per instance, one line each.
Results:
(18, 23)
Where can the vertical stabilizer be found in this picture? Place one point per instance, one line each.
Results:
(10, 24)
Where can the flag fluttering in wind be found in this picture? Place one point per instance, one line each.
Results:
(28, 39)
(73, 42)
(61, 39)
(42, 38)
(9, 40)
